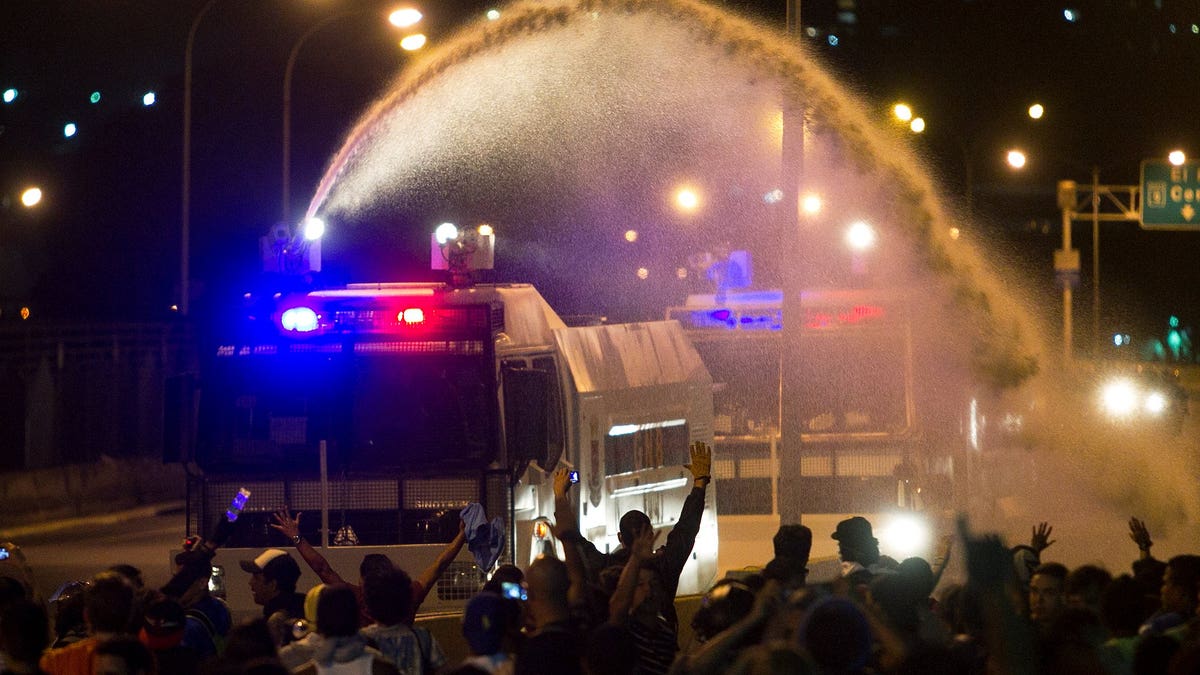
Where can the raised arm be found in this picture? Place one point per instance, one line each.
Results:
(565, 523)
(621, 602)
(1040, 539)
(1140, 536)
(290, 527)
(683, 536)
(431, 574)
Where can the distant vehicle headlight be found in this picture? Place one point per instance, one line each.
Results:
(1156, 403)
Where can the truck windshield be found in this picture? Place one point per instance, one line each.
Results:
(389, 412)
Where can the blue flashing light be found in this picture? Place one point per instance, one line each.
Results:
(299, 319)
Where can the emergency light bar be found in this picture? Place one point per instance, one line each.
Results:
(392, 315)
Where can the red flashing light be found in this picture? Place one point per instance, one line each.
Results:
(815, 319)
(411, 316)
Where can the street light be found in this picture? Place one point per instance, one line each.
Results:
(185, 198)
(31, 197)
(401, 18)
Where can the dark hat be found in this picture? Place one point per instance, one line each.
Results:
(275, 565)
(854, 529)
(485, 622)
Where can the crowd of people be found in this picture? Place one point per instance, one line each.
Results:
(614, 613)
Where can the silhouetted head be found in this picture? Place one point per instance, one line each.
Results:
(632, 524)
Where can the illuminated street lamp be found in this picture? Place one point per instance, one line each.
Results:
(902, 112)
(1177, 157)
(810, 204)
(917, 125)
(31, 197)
(400, 18)
(1016, 158)
(1036, 111)
(687, 199)
(860, 236)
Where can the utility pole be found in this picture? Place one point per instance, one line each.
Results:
(792, 278)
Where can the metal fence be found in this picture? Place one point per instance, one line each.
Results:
(72, 393)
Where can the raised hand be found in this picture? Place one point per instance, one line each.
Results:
(286, 523)
(643, 544)
(1139, 534)
(1040, 540)
(562, 482)
(701, 460)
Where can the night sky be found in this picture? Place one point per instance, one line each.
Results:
(1118, 85)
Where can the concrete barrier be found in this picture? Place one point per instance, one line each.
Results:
(77, 490)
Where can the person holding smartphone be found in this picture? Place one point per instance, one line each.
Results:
(665, 564)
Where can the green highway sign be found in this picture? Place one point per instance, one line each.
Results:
(1170, 195)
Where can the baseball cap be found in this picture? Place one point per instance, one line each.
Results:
(485, 621)
(853, 529)
(274, 564)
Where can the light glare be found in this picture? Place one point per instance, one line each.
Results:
(493, 14)
(69, 129)
(149, 99)
(412, 43)
(904, 535)
(1036, 111)
(485, 230)
(446, 232)
(314, 228)
(860, 236)
(902, 112)
(299, 319)
(917, 125)
(413, 315)
(1016, 159)
(811, 204)
(1177, 157)
(687, 199)
(10, 95)
(1119, 398)
(631, 236)
(643, 273)
(403, 18)
(31, 197)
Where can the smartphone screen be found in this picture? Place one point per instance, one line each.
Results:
(3, 553)
(573, 476)
(513, 591)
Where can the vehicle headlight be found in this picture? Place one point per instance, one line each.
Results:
(1156, 403)
(1119, 398)
(904, 535)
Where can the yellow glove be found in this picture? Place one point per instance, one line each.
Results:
(701, 464)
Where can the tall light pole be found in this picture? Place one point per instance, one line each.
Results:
(186, 182)
(399, 18)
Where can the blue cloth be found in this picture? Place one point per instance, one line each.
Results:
(485, 540)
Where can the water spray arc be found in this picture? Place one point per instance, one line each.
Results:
(1002, 351)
